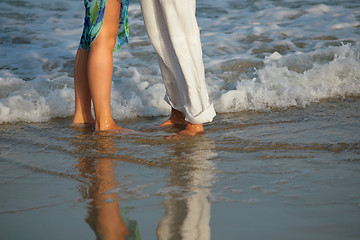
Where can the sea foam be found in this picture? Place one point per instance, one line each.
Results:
(276, 86)
(258, 57)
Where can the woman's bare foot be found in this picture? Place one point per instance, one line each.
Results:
(177, 118)
(191, 130)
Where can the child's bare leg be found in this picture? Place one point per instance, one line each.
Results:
(176, 118)
(83, 113)
(100, 67)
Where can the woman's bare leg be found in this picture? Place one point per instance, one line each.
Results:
(83, 113)
(100, 67)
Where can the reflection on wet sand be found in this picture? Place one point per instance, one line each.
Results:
(186, 204)
(103, 207)
(187, 208)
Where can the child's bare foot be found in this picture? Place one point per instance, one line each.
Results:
(177, 118)
(191, 130)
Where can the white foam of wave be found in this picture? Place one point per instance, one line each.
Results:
(140, 95)
(34, 101)
(40, 100)
(275, 86)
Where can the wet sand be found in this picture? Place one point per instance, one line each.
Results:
(289, 174)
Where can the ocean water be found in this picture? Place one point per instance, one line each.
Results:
(280, 161)
(258, 55)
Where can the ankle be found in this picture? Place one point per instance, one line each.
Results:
(103, 125)
(177, 114)
(177, 117)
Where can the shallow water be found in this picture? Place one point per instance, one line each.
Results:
(280, 161)
(286, 174)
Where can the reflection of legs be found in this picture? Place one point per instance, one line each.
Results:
(100, 67)
(83, 113)
(187, 213)
(104, 210)
(109, 222)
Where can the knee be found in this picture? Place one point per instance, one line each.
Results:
(104, 41)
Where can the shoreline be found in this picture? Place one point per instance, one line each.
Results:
(297, 166)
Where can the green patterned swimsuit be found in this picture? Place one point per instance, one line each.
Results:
(94, 18)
